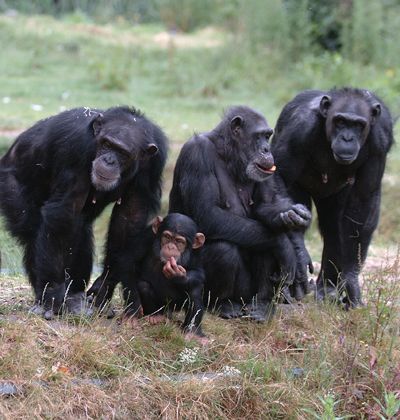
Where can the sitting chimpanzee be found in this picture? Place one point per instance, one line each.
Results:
(172, 276)
(331, 147)
(223, 181)
(57, 178)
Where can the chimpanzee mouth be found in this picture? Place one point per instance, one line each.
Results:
(103, 182)
(344, 160)
(266, 170)
(107, 178)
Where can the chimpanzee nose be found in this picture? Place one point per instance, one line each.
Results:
(347, 138)
(109, 159)
(265, 149)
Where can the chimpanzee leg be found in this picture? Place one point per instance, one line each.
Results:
(359, 223)
(79, 266)
(262, 307)
(228, 282)
(150, 301)
(133, 304)
(78, 269)
(330, 213)
(194, 313)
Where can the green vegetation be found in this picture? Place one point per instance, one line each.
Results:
(182, 64)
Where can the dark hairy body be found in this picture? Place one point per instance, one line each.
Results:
(172, 275)
(58, 176)
(331, 147)
(223, 180)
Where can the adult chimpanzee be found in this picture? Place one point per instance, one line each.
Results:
(223, 181)
(172, 276)
(57, 178)
(331, 147)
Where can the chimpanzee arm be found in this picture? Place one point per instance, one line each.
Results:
(127, 230)
(196, 192)
(275, 209)
(60, 220)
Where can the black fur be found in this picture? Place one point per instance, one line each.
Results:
(340, 167)
(160, 294)
(240, 210)
(49, 202)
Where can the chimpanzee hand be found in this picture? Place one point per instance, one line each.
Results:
(297, 217)
(171, 269)
(285, 254)
(301, 285)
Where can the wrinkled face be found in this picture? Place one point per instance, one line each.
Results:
(347, 126)
(119, 148)
(176, 236)
(172, 245)
(253, 135)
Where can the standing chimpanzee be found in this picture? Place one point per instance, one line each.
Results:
(172, 275)
(223, 181)
(57, 178)
(331, 147)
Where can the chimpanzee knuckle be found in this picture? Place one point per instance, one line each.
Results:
(286, 219)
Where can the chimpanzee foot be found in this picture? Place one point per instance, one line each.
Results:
(230, 309)
(49, 315)
(327, 292)
(40, 310)
(37, 309)
(76, 304)
(261, 312)
(285, 296)
(352, 304)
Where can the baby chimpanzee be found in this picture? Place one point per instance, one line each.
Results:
(172, 276)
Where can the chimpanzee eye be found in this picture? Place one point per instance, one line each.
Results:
(167, 237)
(340, 123)
(106, 144)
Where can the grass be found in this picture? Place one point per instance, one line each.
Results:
(313, 361)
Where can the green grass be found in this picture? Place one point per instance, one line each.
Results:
(311, 362)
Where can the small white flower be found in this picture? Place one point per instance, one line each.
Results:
(188, 356)
(65, 95)
(36, 107)
(230, 371)
(6, 100)
(62, 108)
(184, 126)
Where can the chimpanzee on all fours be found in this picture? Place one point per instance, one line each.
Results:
(57, 178)
(171, 276)
(331, 147)
(223, 181)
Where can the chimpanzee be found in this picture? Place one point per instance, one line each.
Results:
(331, 147)
(223, 180)
(172, 275)
(57, 178)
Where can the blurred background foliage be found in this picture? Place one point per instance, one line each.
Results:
(358, 29)
(183, 61)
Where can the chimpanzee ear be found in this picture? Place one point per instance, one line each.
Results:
(236, 124)
(156, 224)
(375, 112)
(97, 123)
(151, 149)
(199, 240)
(324, 105)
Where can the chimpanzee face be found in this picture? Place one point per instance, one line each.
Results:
(176, 236)
(348, 123)
(253, 134)
(120, 147)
